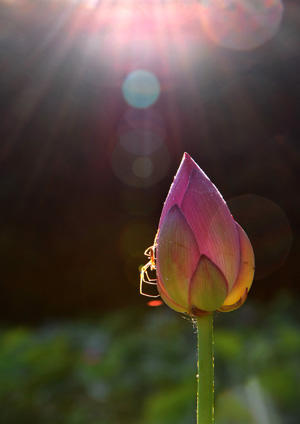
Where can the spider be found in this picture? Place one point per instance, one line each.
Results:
(144, 276)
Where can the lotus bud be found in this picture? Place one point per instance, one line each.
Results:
(204, 260)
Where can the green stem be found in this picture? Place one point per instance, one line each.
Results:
(205, 365)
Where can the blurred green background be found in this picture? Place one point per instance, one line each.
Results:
(138, 367)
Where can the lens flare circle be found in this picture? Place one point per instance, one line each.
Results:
(140, 171)
(142, 167)
(141, 89)
(268, 229)
(141, 142)
(241, 24)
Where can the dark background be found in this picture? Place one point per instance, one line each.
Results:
(74, 220)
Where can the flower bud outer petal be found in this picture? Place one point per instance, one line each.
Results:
(208, 287)
(236, 305)
(170, 302)
(238, 294)
(212, 224)
(177, 255)
(179, 185)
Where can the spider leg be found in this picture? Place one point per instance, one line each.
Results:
(148, 251)
(144, 273)
(141, 288)
(149, 295)
(149, 280)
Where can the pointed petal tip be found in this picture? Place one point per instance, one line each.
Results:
(190, 167)
(179, 185)
(208, 287)
(187, 158)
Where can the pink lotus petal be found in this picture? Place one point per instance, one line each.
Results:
(212, 224)
(208, 287)
(177, 256)
(241, 287)
(179, 185)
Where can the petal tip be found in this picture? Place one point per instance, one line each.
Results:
(188, 160)
(208, 288)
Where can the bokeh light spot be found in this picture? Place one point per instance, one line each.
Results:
(140, 171)
(268, 229)
(142, 167)
(241, 24)
(147, 119)
(141, 142)
(154, 303)
(141, 89)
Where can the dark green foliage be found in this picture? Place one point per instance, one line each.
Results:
(134, 368)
